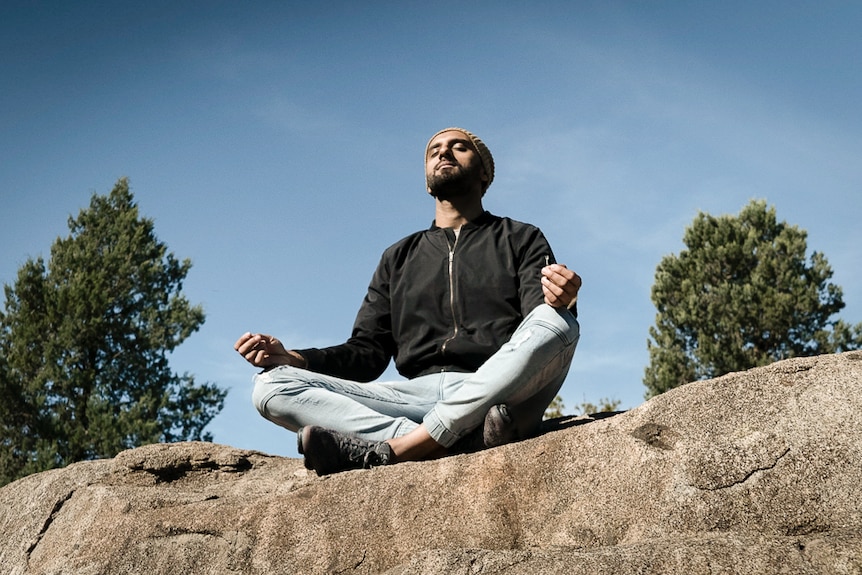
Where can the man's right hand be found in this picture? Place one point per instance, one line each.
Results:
(262, 350)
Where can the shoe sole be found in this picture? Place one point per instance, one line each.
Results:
(303, 435)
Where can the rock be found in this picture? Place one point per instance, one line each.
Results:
(753, 472)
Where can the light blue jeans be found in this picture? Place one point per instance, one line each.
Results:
(526, 374)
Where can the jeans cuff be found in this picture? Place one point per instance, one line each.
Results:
(437, 430)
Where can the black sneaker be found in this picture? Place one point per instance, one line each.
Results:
(327, 451)
(497, 430)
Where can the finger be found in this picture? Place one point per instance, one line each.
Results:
(573, 285)
(256, 357)
(550, 298)
(558, 274)
(563, 277)
(242, 339)
(549, 293)
(560, 286)
(552, 293)
(253, 343)
(557, 268)
(549, 285)
(569, 296)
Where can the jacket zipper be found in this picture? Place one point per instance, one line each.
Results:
(451, 289)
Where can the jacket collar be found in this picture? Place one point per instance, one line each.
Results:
(485, 218)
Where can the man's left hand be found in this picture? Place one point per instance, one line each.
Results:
(560, 285)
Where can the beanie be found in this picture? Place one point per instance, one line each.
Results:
(484, 152)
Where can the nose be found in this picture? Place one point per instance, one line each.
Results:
(444, 151)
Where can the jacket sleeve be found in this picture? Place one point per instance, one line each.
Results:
(535, 249)
(366, 354)
(535, 253)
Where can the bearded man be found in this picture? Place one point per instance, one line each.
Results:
(480, 320)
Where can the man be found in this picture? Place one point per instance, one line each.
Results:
(476, 315)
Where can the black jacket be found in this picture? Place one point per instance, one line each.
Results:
(440, 303)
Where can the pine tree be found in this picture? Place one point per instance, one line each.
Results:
(84, 345)
(741, 295)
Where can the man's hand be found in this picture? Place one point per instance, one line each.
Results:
(266, 351)
(560, 285)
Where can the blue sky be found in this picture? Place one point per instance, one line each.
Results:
(279, 145)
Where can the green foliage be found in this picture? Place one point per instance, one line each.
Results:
(84, 346)
(557, 408)
(605, 405)
(742, 295)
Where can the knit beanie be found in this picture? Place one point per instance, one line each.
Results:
(484, 152)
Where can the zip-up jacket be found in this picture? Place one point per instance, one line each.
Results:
(438, 302)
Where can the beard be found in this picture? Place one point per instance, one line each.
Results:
(450, 184)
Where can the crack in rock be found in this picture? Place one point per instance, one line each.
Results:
(58, 506)
(749, 475)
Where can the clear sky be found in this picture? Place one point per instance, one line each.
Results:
(279, 146)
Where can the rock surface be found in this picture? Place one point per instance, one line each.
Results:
(753, 472)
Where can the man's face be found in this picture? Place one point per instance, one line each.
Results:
(453, 166)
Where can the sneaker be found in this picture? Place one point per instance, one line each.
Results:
(497, 430)
(327, 451)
